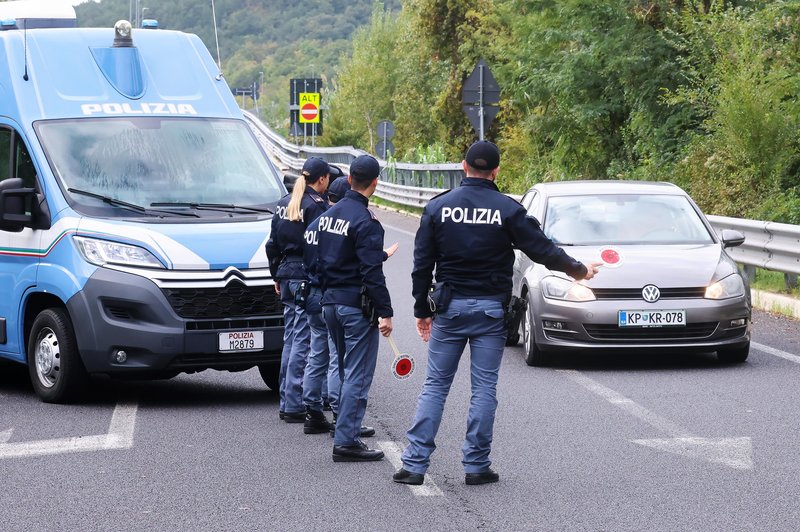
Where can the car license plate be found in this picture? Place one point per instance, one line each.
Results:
(652, 318)
(230, 342)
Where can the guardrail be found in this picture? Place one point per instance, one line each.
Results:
(769, 245)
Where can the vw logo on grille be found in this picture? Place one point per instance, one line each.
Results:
(651, 293)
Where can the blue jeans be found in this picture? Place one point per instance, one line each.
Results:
(356, 344)
(479, 322)
(296, 338)
(318, 357)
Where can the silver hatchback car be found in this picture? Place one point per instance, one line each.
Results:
(666, 281)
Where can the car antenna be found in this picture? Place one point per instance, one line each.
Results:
(25, 46)
(216, 37)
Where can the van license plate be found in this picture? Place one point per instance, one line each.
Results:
(230, 342)
(652, 318)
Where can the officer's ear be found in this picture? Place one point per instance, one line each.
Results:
(495, 172)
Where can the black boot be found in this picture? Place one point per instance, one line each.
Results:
(316, 422)
(365, 432)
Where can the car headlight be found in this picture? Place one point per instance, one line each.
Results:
(565, 290)
(101, 252)
(731, 286)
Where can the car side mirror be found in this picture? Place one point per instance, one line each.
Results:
(13, 198)
(731, 238)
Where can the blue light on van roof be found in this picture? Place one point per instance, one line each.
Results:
(8, 23)
(150, 24)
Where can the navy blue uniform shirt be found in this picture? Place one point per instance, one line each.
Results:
(285, 244)
(468, 234)
(350, 254)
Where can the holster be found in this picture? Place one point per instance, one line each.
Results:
(368, 307)
(515, 310)
(439, 297)
(301, 294)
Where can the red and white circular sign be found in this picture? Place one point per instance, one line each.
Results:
(403, 366)
(309, 112)
(612, 258)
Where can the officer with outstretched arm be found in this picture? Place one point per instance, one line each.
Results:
(350, 266)
(467, 235)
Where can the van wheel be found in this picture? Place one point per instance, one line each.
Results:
(54, 364)
(533, 355)
(270, 374)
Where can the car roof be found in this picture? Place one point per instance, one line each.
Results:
(583, 187)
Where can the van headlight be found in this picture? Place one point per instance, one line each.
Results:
(731, 286)
(101, 252)
(559, 288)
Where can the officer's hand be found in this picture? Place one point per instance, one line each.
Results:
(391, 249)
(424, 328)
(385, 326)
(277, 289)
(592, 269)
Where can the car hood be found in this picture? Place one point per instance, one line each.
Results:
(666, 266)
(190, 246)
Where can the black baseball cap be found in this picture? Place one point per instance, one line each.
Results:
(483, 155)
(337, 189)
(314, 168)
(365, 168)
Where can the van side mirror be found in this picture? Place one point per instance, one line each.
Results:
(731, 238)
(13, 198)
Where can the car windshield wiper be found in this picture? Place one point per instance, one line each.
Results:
(121, 203)
(208, 206)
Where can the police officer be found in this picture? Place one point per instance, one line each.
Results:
(468, 235)
(285, 253)
(350, 261)
(321, 343)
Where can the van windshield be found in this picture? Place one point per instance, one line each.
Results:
(147, 160)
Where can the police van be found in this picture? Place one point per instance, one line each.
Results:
(134, 207)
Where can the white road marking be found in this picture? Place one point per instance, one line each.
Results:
(119, 436)
(393, 452)
(397, 229)
(732, 452)
(776, 352)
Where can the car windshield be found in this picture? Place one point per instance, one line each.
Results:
(624, 219)
(151, 160)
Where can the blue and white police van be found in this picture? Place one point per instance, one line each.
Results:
(134, 207)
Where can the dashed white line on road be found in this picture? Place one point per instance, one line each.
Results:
(119, 436)
(776, 352)
(732, 452)
(403, 231)
(5, 435)
(393, 452)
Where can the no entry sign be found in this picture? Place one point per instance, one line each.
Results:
(309, 107)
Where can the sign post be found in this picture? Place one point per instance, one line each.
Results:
(385, 132)
(480, 96)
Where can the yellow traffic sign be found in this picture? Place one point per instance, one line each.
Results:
(309, 107)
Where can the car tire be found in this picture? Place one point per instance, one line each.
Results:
(270, 374)
(533, 355)
(512, 339)
(736, 355)
(54, 363)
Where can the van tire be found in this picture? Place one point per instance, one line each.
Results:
(270, 374)
(54, 363)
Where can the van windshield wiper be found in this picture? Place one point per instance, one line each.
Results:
(121, 203)
(209, 206)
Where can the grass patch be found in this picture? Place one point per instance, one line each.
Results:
(770, 281)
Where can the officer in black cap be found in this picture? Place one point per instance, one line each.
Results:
(337, 188)
(285, 253)
(350, 265)
(468, 235)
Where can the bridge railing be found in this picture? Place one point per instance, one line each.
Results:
(769, 245)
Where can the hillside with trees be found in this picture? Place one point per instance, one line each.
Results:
(700, 93)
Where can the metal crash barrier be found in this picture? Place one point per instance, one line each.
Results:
(769, 245)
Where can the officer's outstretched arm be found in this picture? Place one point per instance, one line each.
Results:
(369, 250)
(528, 236)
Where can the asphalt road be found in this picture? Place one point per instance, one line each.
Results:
(618, 442)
